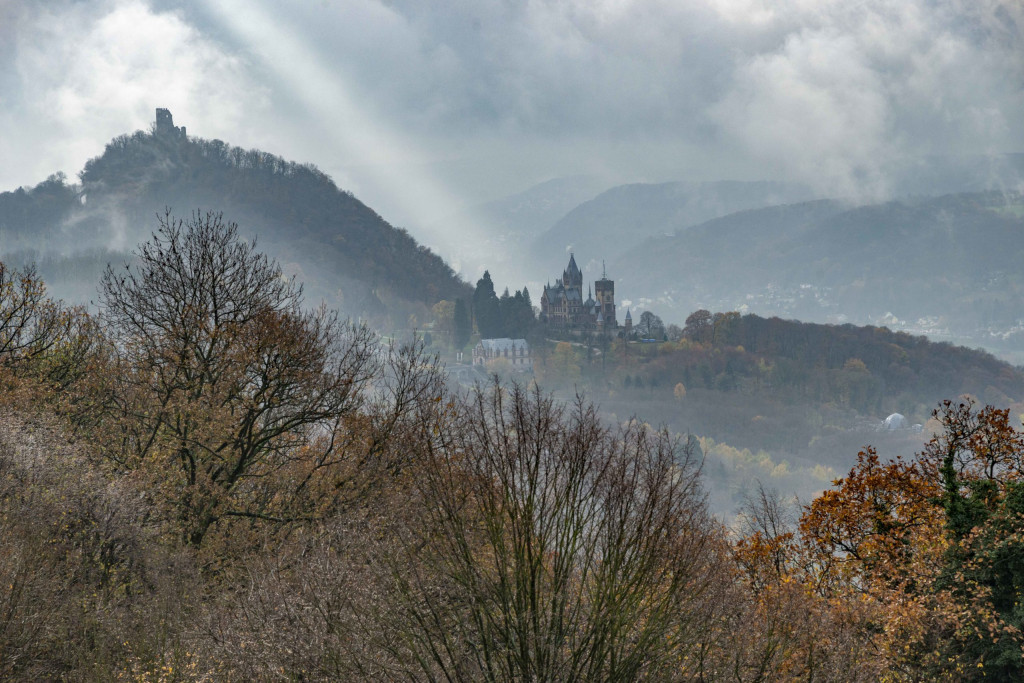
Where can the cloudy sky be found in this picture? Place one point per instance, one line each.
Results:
(419, 107)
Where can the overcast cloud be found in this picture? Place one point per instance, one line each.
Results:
(420, 106)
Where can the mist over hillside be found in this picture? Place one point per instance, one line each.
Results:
(558, 340)
(527, 235)
(500, 228)
(614, 221)
(782, 402)
(944, 266)
(347, 255)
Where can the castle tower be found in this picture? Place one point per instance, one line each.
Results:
(628, 327)
(605, 290)
(572, 281)
(165, 125)
(164, 122)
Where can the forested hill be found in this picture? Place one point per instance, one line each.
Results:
(344, 251)
(870, 369)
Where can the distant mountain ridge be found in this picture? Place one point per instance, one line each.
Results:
(954, 260)
(617, 219)
(537, 208)
(500, 228)
(348, 254)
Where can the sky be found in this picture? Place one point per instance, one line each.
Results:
(421, 107)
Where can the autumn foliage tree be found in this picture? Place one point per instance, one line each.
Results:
(921, 558)
(40, 336)
(221, 377)
(977, 461)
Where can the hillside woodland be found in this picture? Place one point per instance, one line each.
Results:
(779, 401)
(210, 480)
(346, 253)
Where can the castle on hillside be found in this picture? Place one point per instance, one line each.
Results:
(563, 305)
(165, 127)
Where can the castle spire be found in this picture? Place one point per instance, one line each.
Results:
(573, 276)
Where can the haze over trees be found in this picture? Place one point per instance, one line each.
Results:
(209, 480)
(505, 316)
(925, 261)
(282, 495)
(779, 401)
(348, 254)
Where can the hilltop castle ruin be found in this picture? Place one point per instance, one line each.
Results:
(165, 127)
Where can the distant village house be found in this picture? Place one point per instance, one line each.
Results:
(515, 351)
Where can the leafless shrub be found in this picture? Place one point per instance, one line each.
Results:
(83, 584)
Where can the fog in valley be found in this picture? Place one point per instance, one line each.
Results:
(826, 162)
(518, 340)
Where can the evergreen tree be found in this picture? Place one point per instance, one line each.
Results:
(519, 319)
(486, 308)
(507, 314)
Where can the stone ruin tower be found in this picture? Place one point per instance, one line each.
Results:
(165, 127)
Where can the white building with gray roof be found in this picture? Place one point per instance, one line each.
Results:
(515, 351)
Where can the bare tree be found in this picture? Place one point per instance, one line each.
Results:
(550, 548)
(223, 378)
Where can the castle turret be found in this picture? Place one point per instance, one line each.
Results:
(605, 290)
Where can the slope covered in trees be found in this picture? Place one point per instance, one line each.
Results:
(345, 252)
(871, 369)
(211, 481)
(782, 401)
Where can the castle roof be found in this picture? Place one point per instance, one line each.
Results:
(572, 276)
(572, 267)
(628, 316)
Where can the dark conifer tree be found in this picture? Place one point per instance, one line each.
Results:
(507, 313)
(486, 308)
